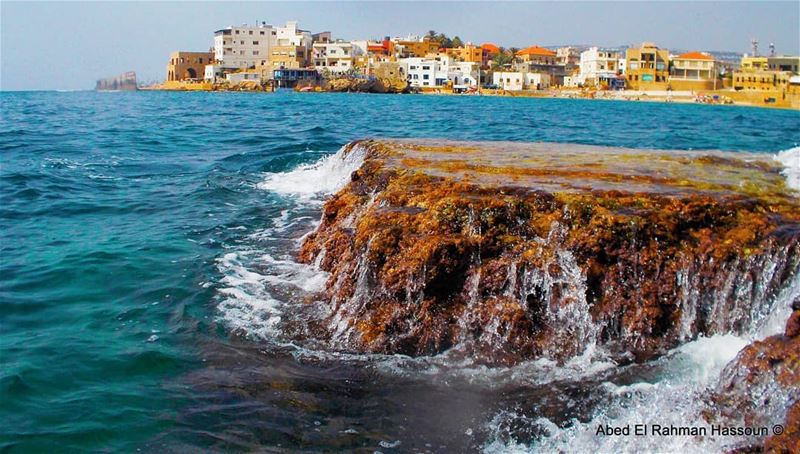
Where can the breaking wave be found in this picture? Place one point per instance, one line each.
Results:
(791, 160)
(325, 176)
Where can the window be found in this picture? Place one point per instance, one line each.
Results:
(255, 43)
(237, 32)
(241, 42)
(425, 76)
(251, 32)
(255, 52)
(424, 68)
(262, 32)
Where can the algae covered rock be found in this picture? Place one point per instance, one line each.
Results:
(761, 388)
(515, 251)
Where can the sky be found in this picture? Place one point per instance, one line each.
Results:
(66, 45)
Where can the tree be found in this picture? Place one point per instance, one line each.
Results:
(443, 40)
(502, 59)
(431, 36)
(456, 42)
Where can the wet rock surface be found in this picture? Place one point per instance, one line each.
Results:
(519, 251)
(761, 388)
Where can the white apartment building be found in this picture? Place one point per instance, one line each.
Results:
(439, 70)
(598, 63)
(424, 72)
(463, 73)
(291, 35)
(518, 80)
(244, 46)
(251, 46)
(336, 57)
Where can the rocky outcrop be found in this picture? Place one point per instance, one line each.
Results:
(372, 85)
(519, 251)
(761, 388)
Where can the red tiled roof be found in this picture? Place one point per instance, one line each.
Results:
(695, 56)
(536, 50)
(491, 48)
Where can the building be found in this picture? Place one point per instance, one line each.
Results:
(758, 80)
(647, 67)
(463, 74)
(538, 55)
(784, 63)
(568, 56)
(424, 71)
(537, 59)
(290, 77)
(291, 48)
(598, 66)
(335, 57)
(214, 72)
(439, 70)
(520, 80)
(421, 48)
(490, 49)
(322, 37)
(773, 63)
(694, 71)
(244, 76)
(774, 73)
(469, 53)
(243, 47)
(188, 65)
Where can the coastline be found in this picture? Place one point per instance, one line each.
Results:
(789, 101)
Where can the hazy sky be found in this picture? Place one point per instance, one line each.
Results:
(59, 45)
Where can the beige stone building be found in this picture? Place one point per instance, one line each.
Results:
(694, 71)
(188, 65)
(647, 67)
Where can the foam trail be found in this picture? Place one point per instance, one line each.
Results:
(325, 176)
(791, 160)
(246, 305)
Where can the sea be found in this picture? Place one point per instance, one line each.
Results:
(147, 258)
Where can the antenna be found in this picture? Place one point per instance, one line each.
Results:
(771, 49)
(754, 44)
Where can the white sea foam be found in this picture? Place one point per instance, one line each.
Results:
(325, 176)
(791, 161)
(256, 285)
(248, 300)
(675, 398)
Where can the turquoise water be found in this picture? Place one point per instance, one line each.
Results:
(118, 208)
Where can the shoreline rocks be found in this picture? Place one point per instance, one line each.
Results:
(519, 251)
